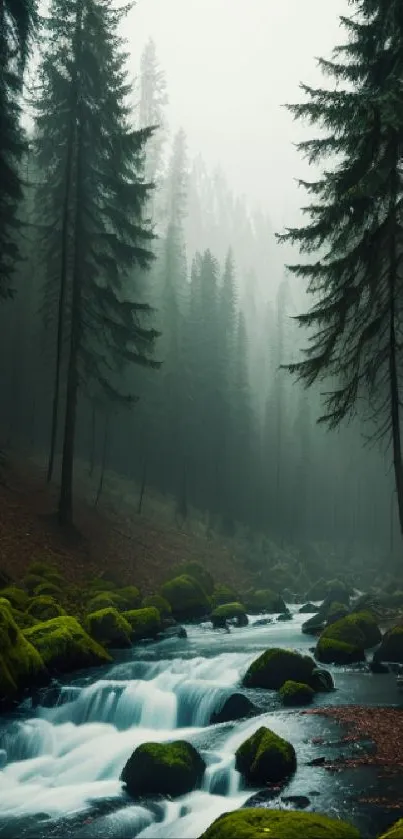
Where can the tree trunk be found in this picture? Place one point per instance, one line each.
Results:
(92, 441)
(143, 485)
(64, 261)
(103, 463)
(393, 371)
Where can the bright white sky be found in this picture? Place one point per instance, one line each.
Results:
(230, 65)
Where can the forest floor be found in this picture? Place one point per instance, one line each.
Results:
(111, 539)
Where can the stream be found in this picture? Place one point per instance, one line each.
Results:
(61, 760)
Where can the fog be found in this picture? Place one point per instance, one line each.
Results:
(230, 68)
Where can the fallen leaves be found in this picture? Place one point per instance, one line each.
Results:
(382, 726)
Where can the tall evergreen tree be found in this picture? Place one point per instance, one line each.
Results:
(92, 192)
(153, 101)
(18, 19)
(356, 226)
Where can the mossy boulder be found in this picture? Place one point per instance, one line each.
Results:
(332, 651)
(229, 612)
(265, 758)
(105, 599)
(335, 612)
(314, 625)
(275, 666)
(170, 769)
(187, 598)
(366, 622)
(391, 647)
(394, 832)
(130, 595)
(23, 619)
(344, 641)
(235, 707)
(50, 589)
(308, 609)
(263, 823)
(223, 594)
(264, 600)
(110, 628)
(21, 665)
(65, 646)
(31, 582)
(16, 596)
(198, 572)
(296, 693)
(98, 584)
(44, 607)
(144, 623)
(158, 602)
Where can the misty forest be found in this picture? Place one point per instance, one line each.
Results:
(201, 466)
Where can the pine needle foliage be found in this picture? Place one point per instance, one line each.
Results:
(353, 240)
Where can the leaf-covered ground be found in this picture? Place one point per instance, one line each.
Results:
(125, 546)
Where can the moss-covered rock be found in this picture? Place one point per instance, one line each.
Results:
(275, 666)
(229, 612)
(65, 646)
(198, 572)
(104, 600)
(223, 594)
(44, 607)
(21, 666)
(265, 758)
(391, 648)
(186, 597)
(131, 597)
(296, 693)
(23, 619)
(31, 582)
(49, 589)
(158, 602)
(338, 592)
(144, 623)
(110, 628)
(335, 612)
(171, 769)
(344, 641)
(308, 609)
(235, 707)
(16, 596)
(285, 616)
(264, 600)
(314, 625)
(262, 823)
(394, 832)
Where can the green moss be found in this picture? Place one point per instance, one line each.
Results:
(98, 584)
(131, 596)
(296, 693)
(16, 596)
(186, 597)
(44, 607)
(159, 603)
(105, 599)
(171, 769)
(23, 619)
(229, 611)
(223, 594)
(265, 758)
(264, 600)
(198, 572)
(43, 569)
(21, 666)
(109, 628)
(331, 651)
(366, 622)
(263, 823)
(31, 582)
(275, 666)
(335, 612)
(144, 623)
(65, 646)
(394, 832)
(48, 589)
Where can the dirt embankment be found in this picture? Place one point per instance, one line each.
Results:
(126, 546)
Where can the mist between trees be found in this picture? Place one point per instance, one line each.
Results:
(151, 313)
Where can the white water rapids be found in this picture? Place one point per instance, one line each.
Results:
(65, 759)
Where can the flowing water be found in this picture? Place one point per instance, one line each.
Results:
(61, 761)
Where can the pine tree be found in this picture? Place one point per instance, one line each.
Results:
(92, 193)
(356, 227)
(18, 20)
(153, 101)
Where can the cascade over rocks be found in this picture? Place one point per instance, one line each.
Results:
(171, 769)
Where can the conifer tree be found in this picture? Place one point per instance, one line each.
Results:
(92, 193)
(18, 20)
(153, 101)
(355, 229)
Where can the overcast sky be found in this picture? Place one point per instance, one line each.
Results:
(230, 65)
